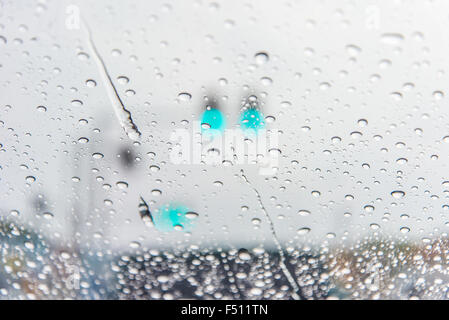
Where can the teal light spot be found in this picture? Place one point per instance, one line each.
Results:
(213, 122)
(173, 217)
(251, 120)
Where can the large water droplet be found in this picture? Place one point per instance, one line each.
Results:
(398, 194)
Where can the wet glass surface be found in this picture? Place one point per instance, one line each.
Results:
(224, 149)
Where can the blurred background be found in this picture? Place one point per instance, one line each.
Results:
(117, 181)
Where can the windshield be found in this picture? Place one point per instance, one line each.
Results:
(223, 149)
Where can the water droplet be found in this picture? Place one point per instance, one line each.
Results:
(91, 83)
(398, 194)
(77, 103)
(336, 139)
(303, 212)
(374, 226)
(356, 134)
(122, 80)
(213, 152)
(122, 185)
(316, 193)
(229, 23)
(270, 119)
(362, 122)
(134, 244)
(392, 38)
(353, 50)
(156, 192)
(130, 93)
(184, 96)
(438, 95)
(396, 96)
(97, 155)
(48, 215)
(325, 85)
(14, 213)
(83, 56)
(303, 231)
(404, 229)
(116, 52)
(191, 215)
(244, 255)
(266, 81)
(261, 58)
(331, 235)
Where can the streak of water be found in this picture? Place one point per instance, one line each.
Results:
(283, 266)
(123, 115)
